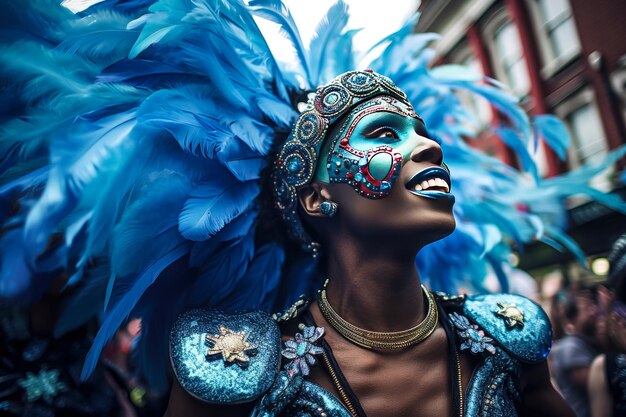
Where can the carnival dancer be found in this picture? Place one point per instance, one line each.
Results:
(152, 140)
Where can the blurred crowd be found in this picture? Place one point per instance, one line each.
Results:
(588, 358)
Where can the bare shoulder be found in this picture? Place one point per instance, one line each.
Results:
(599, 398)
(539, 396)
(597, 372)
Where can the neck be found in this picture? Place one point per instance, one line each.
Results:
(375, 289)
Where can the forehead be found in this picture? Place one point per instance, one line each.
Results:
(379, 110)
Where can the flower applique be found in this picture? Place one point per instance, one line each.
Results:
(300, 350)
(473, 338)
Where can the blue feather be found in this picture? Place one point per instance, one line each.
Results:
(125, 305)
(552, 130)
(85, 301)
(101, 37)
(161, 22)
(258, 285)
(15, 275)
(80, 158)
(327, 33)
(149, 225)
(517, 143)
(275, 11)
(214, 204)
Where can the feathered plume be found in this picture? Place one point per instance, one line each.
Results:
(133, 161)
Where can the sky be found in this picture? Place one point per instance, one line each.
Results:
(377, 18)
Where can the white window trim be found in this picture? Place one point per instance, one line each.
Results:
(566, 107)
(489, 28)
(550, 64)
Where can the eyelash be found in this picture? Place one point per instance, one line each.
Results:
(380, 131)
(376, 134)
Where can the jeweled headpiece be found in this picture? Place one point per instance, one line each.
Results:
(297, 161)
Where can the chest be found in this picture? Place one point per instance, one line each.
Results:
(416, 382)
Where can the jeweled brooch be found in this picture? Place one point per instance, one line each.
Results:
(231, 345)
(473, 338)
(513, 316)
(301, 350)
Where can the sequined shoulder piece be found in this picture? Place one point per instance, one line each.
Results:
(519, 325)
(225, 358)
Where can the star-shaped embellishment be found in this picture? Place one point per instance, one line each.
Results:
(232, 345)
(513, 316)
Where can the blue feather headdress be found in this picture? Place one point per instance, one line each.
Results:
(136, 137)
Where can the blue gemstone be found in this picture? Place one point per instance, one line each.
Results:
(294, 166)
(331, 98)
(303, 348)
(358, 177)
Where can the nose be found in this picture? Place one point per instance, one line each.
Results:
(427, 151)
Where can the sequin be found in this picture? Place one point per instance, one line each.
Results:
(295, 397)
(493, 389)
(211, 378)
(530, 343)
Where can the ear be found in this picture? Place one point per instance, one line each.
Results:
(311, 196)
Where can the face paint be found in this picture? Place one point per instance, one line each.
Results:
(306, 153)
(371, 145)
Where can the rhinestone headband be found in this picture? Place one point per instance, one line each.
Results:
(297, 161)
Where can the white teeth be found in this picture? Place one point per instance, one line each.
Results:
(434, 182)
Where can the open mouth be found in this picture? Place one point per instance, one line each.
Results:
(430, 179)
(432, 182)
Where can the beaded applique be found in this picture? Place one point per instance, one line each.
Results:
(473, 338)
(301, 350)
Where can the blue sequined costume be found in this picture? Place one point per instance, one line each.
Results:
(506, 331)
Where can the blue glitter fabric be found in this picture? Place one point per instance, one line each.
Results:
(213, 379)
(529, 341)
(519, 327)
(295, 397)
(493, 389)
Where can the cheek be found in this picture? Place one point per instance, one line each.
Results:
(370, 173)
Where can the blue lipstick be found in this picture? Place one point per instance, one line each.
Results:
(425, 175)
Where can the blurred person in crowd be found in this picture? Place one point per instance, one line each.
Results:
(40, 369)
(607, 375)
(41, 354)
(573, 354)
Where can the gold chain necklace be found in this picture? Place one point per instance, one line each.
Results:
(381, 340)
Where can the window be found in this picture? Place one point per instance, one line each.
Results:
(587, 134)
(589, 144)
(480, 106)
(558, 24)
(510, 58)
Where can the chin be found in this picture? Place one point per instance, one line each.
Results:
(442, 230)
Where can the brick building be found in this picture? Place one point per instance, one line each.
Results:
(566, 57)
